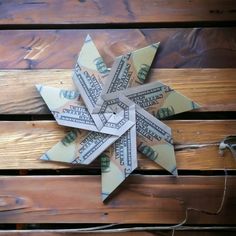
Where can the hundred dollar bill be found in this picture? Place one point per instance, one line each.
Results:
(128, 70)
(159, 99)
(116, 115)
(117, 163)
(68, 110)
(89, 72)
(155, 140)
(79, 147)
(67, 149)
(94, 143)
(67, 107)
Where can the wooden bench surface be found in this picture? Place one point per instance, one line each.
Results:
(106, 12)
(39, 43)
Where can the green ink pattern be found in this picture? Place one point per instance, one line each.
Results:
(105, 163)
(164, 112)
(100, 65)
(69, 94)
(69, 138)
(148, 151)
(142, 73)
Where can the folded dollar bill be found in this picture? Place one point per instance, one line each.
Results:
(114, 115)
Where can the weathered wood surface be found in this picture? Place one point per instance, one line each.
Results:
(144, 199)
(142, 233)
(106, 12)
(213, 89)
(22, 143)
(198, 47)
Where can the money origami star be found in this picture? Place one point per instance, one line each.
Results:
(114, 115)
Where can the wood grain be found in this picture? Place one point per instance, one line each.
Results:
(141, 199)
(105, 11)
(142, 233)
(196, 143)
(180, 48)
(19, 85)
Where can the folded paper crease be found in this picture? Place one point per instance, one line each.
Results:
(114, 114)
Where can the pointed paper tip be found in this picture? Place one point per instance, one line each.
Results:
(156, 45)
(104, 196)
(195, 105)
(88, 38)
(39, 87)
(44, 157)
(175, 172)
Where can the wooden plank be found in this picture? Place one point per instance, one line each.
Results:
(22, 143)
(45, 49)
(105, 11)
(142, 199)
(142, 233)
(19, 85)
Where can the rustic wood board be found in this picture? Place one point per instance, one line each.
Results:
(22, 143)
(144, 199)
(58, 49)
(107, 12)
(19, 85)
(46, 53)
